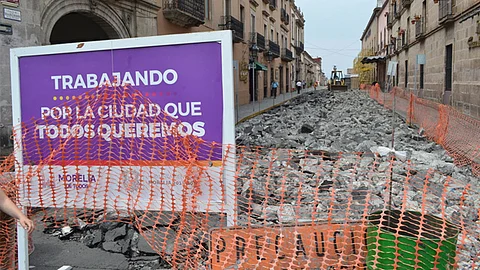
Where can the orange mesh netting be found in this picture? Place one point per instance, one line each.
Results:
(455, 132)
(290, 209)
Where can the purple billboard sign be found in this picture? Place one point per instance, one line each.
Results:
(125, 124)
(68, 100)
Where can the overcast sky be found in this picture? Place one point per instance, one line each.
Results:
(333, 29)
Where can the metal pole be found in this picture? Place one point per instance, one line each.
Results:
(256, 91)
(415, 89)
(253, 86)
(22, 246)
(415, 84)
(391, 158)
(393, 120)
(237, 83)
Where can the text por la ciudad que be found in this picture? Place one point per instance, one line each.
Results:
(85, 127)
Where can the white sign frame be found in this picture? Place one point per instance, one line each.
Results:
(228, 126)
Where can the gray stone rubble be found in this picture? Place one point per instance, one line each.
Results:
(333, 161)
(353, 129)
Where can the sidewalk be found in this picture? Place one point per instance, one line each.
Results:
(246, 111)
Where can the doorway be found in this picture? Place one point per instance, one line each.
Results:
(281, 79)
(81, 27)
(265, 84)
(448, 73)
(253, 83)
(271, 78)
(287, 78)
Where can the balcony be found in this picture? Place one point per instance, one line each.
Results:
(284, 17)
(253, 2)
(273, 4)
(420, 29)
(256, 38)
(406, 3)
(274, 49)
(186, 13)
(390, 20)
(445, 13)
(230, 23)
(396, 10)
(300, 47)
(287, 55)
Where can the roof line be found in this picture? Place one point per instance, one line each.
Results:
(374, 14)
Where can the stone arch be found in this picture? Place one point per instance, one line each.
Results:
(105, 15)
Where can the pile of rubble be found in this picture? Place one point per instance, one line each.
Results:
(336, 141)
(361, 131)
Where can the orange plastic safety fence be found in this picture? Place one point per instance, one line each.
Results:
(289, 209)
(455, 132)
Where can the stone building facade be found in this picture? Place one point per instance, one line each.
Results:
(369, 40)
(268, 35)
(310, 67)
(265, 38)
(43, 22)
(437, 47)
(321, 75)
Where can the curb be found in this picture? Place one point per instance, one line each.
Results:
(261, 112)
(269, 108)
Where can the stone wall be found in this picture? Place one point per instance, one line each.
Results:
(27, 32)
(466, 61)
(127, 18)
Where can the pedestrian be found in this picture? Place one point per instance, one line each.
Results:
(304, 84)
(274, 88)
(315, 85)
(9, 208)
(299, 86)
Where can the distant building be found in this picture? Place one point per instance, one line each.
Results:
(321, 75)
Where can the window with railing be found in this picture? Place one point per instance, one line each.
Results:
(445, 8)
(185, 13)
(419, 28)
(274, 48)
(273, 4)
(231, 23)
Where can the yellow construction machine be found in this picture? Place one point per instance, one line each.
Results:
(337, 81)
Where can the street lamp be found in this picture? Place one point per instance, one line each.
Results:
(269, 56)
(253, 58)
(253, 54)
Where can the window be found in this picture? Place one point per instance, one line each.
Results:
(228, 7)
(265, 31)
(282, 42)
(406, 74)
(252, 22)
(422, 78)
(278, 39)
(242, 14)
(448, 67)
(207, 10)
(397, 75)
(424, 12)
(381, 41)
(271, 34)
(385, 36)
